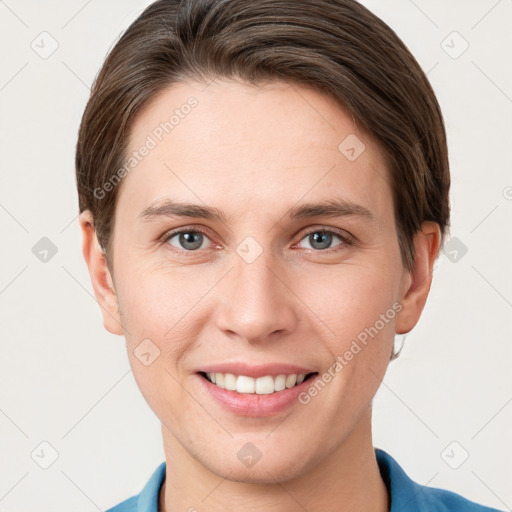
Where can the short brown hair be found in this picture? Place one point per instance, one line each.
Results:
(337, 47)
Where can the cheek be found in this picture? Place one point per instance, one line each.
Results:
(159, 302)
(361, 312)
(160, 329)
(164, 313)
(351, 300)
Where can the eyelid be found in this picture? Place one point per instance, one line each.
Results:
(344, 235)
(184, 229)
(346, 239)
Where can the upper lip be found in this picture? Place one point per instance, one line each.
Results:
(254, 371)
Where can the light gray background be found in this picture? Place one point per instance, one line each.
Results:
(67, 382)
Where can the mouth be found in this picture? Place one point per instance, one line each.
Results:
(264, 385)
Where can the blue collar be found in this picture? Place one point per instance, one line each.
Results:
(406, 495)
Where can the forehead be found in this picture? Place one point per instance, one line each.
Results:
(241, 146)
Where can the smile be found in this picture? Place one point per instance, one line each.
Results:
(264, 385)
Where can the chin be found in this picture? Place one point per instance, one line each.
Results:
(263, 474)
(268, 466)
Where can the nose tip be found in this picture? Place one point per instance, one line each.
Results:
(255, 301)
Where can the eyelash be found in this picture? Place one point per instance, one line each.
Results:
(346, 239)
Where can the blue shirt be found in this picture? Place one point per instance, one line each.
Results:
(406, 495)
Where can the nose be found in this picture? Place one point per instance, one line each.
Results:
(257, 302)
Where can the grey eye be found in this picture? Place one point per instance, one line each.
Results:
(320, 240)
(188, 240)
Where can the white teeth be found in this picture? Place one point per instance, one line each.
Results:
(261, 385)
(291, 380)
(230, 381)
(280, 383)
(245, 384)
(264, 385)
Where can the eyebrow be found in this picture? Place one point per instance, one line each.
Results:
(331, 208)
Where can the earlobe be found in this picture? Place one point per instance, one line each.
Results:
(101, 278)
(417, 282)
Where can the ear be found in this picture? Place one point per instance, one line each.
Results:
(102, 281)
(416, 283)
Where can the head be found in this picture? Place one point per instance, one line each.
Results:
(261, 182)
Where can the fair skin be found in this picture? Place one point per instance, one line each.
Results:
(253, 153)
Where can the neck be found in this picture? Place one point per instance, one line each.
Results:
(349, 479)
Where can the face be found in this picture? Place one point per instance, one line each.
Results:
(286, 263)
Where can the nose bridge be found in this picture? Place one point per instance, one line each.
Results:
(256, 301)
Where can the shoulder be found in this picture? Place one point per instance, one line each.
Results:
(147, 499)
(408, 495)
(442, 500)
(129, 505)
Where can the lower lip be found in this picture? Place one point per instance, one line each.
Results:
(245, 404)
